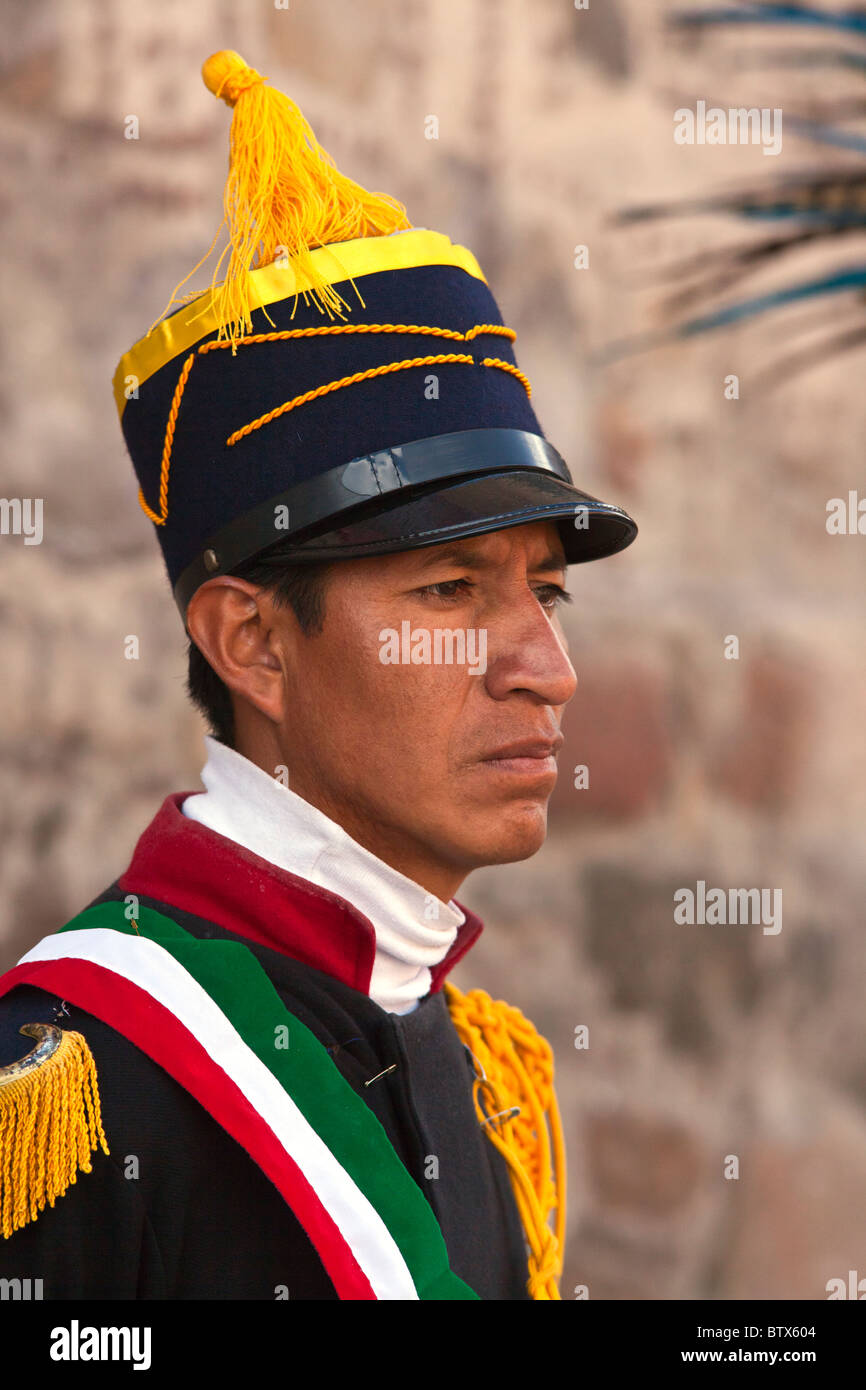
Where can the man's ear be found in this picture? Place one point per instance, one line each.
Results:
(231, 621)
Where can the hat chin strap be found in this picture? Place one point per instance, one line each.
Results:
(334, 496)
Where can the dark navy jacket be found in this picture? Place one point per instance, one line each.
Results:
(179, 1210)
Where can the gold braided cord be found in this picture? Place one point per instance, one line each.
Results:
(166, 448)
(366, 328)
(509, 367)
(382, 370)
(329, 386)
(514, 1071)
(159, 518)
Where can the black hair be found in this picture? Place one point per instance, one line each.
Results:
(299, 584)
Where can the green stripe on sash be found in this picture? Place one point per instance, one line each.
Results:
(231, 975)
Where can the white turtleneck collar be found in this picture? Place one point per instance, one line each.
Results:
(414, 930)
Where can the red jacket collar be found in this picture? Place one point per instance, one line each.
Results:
(181, 862)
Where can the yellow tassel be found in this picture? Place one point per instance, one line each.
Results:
(50, 1122)
(284, 195)
(516, 1102)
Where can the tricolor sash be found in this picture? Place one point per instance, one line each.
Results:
(207, 1013)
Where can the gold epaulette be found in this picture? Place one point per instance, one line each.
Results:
(516, 1105)
(50, 1123)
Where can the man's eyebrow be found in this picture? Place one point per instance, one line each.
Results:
(471, 555)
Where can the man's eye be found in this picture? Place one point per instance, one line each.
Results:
(445, 584)
(550, 596)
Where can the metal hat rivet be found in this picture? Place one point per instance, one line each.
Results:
(211, 560)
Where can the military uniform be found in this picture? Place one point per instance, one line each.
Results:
(178, 1209)
(215, 1106)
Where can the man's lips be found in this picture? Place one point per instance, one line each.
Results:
(535, 756)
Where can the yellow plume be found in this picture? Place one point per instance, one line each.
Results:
(284, 195)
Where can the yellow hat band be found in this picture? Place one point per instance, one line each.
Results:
(346, 260)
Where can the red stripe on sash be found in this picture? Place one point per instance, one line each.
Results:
(140, 1018)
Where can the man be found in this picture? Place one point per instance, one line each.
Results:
(251, 1077)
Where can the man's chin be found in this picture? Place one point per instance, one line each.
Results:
(516, 832)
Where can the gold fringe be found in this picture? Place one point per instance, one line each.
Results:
(50, 1122)
(515, 1102)
(284, 196)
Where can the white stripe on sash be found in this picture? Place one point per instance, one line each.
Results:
(153, 969)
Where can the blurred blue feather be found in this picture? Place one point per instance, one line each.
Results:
(851, 21)
(818, 208)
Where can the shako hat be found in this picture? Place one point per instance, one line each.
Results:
(349, 388)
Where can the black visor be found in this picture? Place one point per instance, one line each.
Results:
(589, 529)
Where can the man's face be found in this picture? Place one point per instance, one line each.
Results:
(402, 753)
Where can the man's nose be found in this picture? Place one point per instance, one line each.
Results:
(526, 651)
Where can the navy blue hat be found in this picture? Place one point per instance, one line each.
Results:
(351, 397)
